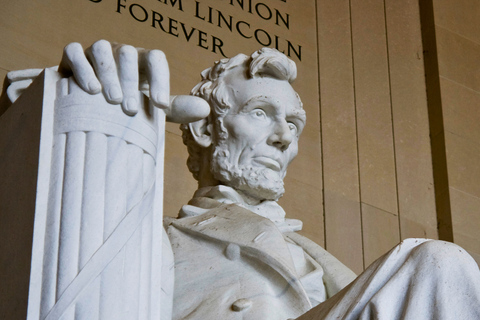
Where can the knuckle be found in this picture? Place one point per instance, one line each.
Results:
(127, 53)
(101, 44)
(101, 49)
(72, 49)
(156, 55)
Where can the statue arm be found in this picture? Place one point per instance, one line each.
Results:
(336, 275)
(15, 84)
(17, 81)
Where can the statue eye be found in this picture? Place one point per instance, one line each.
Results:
(259, 113)
(293, 128)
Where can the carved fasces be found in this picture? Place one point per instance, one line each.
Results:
(102, 228)
(100, 219)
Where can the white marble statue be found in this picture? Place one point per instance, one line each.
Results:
(231, 253)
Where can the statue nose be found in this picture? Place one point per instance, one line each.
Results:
(282, 136)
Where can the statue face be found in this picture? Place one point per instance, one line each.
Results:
(263, 126)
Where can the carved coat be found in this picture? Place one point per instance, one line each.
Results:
(231, 263)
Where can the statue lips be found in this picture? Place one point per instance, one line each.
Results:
(269, 162)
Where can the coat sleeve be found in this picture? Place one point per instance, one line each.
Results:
(336, 275)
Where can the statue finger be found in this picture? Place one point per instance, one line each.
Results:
(101, 56)
(74, 61)
(127, 58)
(156, 69)
(186, 109)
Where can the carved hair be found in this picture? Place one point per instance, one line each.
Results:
(265, 62)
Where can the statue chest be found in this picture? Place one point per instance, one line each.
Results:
(217, 279)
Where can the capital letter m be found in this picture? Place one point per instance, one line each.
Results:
(173, 3)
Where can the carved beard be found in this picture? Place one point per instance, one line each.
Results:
(259, 183)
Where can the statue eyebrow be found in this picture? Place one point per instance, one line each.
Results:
(259, 97)
(299, 114)
(269, 102)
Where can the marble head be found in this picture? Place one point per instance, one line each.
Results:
(252, 132)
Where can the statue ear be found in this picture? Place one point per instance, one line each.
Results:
(201, 131)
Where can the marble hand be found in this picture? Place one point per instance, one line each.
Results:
(121, 70)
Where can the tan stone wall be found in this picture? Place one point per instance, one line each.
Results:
(458, 46)
(378, 183)
(363, 180)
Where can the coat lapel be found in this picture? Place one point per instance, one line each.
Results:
(257, 237)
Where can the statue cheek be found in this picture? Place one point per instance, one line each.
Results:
(292, 151)
(237, 126)
(246, 135)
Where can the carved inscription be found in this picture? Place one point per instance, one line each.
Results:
(242, 27)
